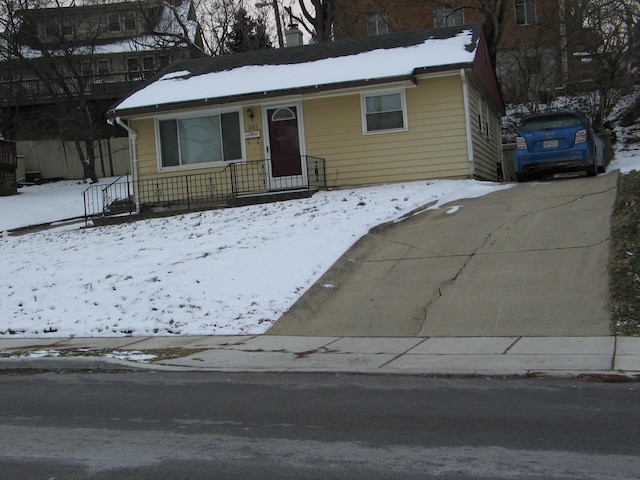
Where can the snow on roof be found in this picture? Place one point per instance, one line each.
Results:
(188, 86)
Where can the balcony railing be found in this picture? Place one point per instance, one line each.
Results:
(199, 191)
(104, 85)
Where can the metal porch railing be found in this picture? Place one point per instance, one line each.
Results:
(197, 191)
(103, 85)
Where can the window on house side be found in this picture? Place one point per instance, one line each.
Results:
(133, 64)
(148, 63)
(448, 16)
(129, 20)
(114, 22)
(87, 67)
(384, 112)
(525, 12)
(486, 114)
(480, 118)
(51, 28)
(212, 139)
(104, 66)
(377, 24)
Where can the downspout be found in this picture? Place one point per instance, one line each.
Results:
(133, 138)
(467, 116)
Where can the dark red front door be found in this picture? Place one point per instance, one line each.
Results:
(284, 142)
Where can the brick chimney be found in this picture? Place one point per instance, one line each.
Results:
(293, 36)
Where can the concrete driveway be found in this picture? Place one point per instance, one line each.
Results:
(528, 261)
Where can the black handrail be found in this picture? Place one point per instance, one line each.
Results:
(189, 192)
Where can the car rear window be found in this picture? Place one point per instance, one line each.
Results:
(552, 122)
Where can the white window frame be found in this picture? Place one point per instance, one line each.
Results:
(487, 122)
(199, 166)
(378, 93)
(484, 125)
(480, 115)
(529, 13)
(379, 20)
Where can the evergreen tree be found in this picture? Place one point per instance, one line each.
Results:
(247, 34)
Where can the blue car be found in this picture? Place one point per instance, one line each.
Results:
(557, 142)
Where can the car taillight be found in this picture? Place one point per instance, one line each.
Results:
(581, 136)
(521, 143)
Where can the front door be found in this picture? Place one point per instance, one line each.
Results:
(283, 148)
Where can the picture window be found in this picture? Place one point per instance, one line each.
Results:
(212, 139)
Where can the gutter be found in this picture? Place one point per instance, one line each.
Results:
(467, 116)
(133, 138)
(261, 96)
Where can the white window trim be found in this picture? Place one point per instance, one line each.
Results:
(527, 21)
(376, 93)
(480, 115)
(486, 111)
(380, 18)
(198, 166)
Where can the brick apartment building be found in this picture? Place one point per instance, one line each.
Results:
(535, 53)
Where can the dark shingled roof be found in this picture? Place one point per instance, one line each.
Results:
(304, 54)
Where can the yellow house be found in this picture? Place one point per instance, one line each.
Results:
(402, 107)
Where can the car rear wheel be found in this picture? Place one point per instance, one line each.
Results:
(592, 170)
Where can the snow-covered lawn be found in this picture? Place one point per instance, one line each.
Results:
(219, 272)
(230, 271)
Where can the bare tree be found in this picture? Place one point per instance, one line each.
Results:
(216, 19)
(495, 14)
(52, 47)
(528, 75)
(173, 25)
(316, 19)
(52, 66)
(607, 32)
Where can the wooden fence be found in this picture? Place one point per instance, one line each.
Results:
(58, 159)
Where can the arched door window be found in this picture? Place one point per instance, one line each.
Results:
(282, 114)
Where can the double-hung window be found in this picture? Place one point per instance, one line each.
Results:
(525, 12)
(200, 142)
(377, 24)
(384, 112)
(113, 21)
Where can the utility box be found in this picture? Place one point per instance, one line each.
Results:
(8, 166)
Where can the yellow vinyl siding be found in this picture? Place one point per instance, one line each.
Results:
(147, 160)
(199, 182)
(433, 146)
(485, 149)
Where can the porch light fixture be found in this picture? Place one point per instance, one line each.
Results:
(250, 113)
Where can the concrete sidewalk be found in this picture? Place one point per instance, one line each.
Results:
(609, 357)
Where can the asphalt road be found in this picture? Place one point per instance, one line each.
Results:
(268, 426)
(531, 260)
